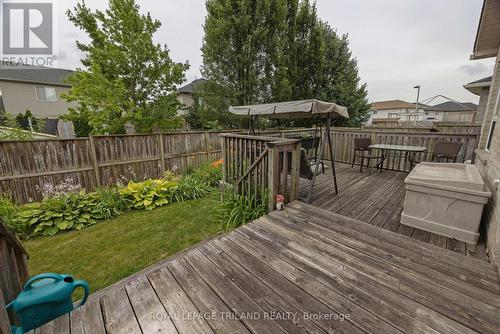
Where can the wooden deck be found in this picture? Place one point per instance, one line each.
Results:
(378, 200)
(303, 270)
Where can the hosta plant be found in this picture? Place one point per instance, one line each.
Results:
(148, 194)
(72, 212)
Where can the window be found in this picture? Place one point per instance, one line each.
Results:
(374, 112)
(490, 134)
(44, 93)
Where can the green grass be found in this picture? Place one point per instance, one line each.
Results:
(111, 250)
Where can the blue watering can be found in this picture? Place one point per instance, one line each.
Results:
(44, 298)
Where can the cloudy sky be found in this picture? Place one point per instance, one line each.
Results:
(398, 44)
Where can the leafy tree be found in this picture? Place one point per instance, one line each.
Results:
(23, 121)
(126, 77)
(340, 81)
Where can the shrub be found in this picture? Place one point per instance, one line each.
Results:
(189, 187)
(235, 210)
(209, 174)
(109, 202)
(148, 194)
(8, 212)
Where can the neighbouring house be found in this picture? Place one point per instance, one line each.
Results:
(487, 45)
(451, 111)
(393, 112)
(480, 88)
(398, 112)
(185, 95)
(37, 89)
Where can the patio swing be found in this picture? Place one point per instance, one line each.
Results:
(323, 111)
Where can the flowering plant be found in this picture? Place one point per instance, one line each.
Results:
(218, 163)
(50, 190)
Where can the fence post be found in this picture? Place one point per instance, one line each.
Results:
(93, 154)
(224, 158)
(162, 154)
(205, 138)
(273, 175)
(294, 186)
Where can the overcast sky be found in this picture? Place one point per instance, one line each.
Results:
(398, 44)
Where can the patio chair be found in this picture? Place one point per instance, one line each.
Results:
(446, 151)
(362, 150)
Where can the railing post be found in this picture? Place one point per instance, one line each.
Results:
(273, 175)
(93, 154)
(294, 186)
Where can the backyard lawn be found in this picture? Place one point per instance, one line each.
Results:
(111, 250)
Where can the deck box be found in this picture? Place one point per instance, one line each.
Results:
(446, 199)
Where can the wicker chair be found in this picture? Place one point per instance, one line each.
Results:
(362, 149)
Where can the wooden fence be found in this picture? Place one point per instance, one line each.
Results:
(445, 127)
(343, 142)
(13, 273)
(25, 166)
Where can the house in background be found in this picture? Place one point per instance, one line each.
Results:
(185, 95)
(37, 89)
(487, 45)
(393, 112)
(451, 111)
(398, 112)
(480, 88)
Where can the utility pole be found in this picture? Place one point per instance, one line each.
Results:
(416, 104)
(418, 96)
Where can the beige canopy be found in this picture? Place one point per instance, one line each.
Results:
(291, 109)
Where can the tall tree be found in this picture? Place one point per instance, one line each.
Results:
(340, 81)
(257, 51)
(126, 77)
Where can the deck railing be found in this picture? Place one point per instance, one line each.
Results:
(257, 165)
(13, 273)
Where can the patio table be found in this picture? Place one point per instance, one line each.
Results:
(397, 150)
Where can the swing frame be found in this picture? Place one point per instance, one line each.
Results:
(302, 109)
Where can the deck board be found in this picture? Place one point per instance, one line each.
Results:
(376, 199)
(302, 270)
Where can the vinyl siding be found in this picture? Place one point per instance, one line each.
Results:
(19, 97)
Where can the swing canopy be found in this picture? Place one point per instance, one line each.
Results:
(291, 109)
